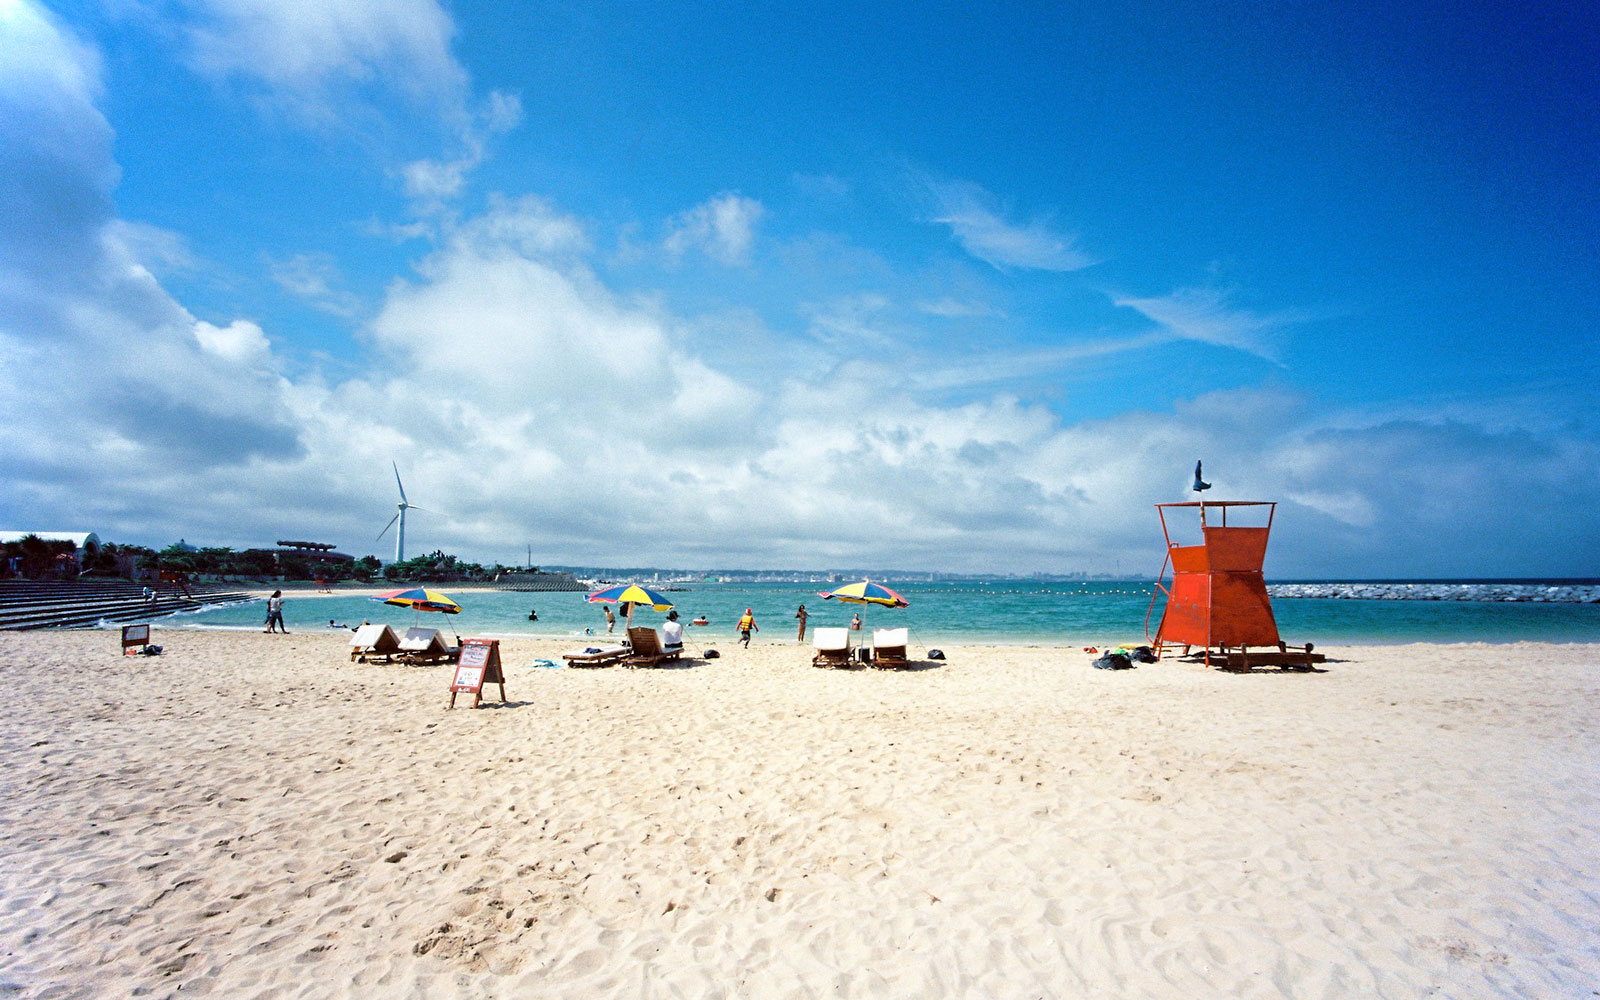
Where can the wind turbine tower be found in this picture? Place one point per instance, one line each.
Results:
(400, 518)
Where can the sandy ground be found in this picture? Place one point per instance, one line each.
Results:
(252, 815)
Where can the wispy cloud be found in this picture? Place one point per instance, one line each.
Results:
(976, 220)
(946, 307)
(1205, 315)
(989, 367)
(429, 183)
(307, 58)
(723, 227)
(314, 277)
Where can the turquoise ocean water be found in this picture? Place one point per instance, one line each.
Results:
(1073, 613)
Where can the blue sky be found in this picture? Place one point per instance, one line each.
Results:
(887, 285)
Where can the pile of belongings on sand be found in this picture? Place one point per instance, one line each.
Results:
(1123, 657)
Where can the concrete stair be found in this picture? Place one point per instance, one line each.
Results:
(31, 604)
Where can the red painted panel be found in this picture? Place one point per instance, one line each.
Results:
(1189, 559)
(1236, 549)
(1188, 614)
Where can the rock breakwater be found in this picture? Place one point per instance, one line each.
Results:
(1520, 592)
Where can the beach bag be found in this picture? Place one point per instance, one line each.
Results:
(1143, 654)
(710, 654)
(1113, 661)
(935, 654)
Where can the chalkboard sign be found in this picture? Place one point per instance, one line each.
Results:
(479, 665)
(134, 638)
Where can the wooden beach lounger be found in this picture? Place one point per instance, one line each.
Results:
(647, 651)
(374, 640)
(832, 647)
(889, 647)
(601, 656)
(426, 645)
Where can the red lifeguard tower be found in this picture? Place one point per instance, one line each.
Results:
(1218, 597)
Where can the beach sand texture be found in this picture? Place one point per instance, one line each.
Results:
(252, 815)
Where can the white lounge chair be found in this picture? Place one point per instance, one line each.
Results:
(889, 647)
(426, 645)
(832, 647)
(374, 640)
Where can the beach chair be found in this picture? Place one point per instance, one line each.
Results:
(425, 645)
(647, 651)
(832, 647)
(595, 656)
(374, 640)
(889, 648)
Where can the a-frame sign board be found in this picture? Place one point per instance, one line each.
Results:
(479, 665)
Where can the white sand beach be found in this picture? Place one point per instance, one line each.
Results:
(251, 815)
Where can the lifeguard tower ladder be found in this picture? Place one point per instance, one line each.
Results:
(1218, 597)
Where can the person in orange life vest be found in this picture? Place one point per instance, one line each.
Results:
(747, 624)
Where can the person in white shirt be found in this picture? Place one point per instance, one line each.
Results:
(672, 633)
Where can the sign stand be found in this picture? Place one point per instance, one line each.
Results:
(135, 639)
(479, 665)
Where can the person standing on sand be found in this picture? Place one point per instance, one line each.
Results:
(747, 624)
(855, 623)
(275, 612)
(801, 614)
(611, 618)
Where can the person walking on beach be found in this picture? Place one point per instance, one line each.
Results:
(747, 624)
(611, 619)
(801, 614)
(275, 612)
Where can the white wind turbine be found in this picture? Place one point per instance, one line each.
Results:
(400, 535)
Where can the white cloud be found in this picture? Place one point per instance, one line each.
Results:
(946, 307)
(314, 277)
(723, 227)
(1204, 315)
(306, 54)
(432, 182)
(240, 342)
(979, 226)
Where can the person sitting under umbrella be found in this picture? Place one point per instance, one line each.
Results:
(672, 634)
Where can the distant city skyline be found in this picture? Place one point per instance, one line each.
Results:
(959, 291)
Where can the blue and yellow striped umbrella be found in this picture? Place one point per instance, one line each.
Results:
(866, 592)
(420, 599)
(632, 593)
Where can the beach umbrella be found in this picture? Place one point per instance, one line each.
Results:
(420, 599)
(865, 592)
(632, 595)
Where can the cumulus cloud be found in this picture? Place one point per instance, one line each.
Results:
(240, 342)
(979, 225)
(123, 374)
(723, 228)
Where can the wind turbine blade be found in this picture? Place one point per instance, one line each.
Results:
(397, 481)
(412, 506)
(386, 528)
